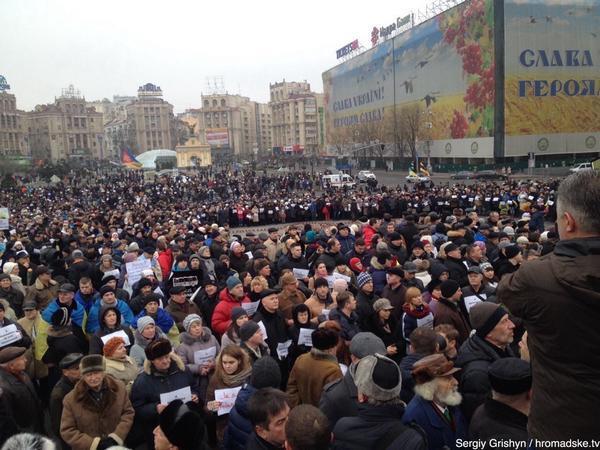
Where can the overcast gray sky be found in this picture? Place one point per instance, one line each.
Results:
(112, 47)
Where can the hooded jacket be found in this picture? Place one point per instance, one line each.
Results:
(558, 298)
(221, 318)
(378, 273)
(96, 342)
(93, 323)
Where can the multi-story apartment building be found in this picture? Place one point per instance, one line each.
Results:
(66, 129)
(13, 124)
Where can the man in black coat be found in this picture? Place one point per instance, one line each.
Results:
(18, 393)
(340, 397)
(504, 416)
(491, 342)
(79, 268)
(69, 366)
(423, 342)
(457, 270)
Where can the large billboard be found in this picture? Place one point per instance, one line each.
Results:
(217, 137)
(444, 65)
(552, 76)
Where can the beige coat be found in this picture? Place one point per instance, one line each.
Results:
(125, 370)
(40, 294)
(84, 422)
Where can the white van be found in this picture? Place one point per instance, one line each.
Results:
(338, 180)
(581, 167)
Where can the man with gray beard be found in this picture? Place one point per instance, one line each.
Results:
(435, 405)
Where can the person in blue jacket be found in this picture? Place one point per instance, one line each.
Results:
(107, 298)
(66, 299)
(152, 309)
(435, 406)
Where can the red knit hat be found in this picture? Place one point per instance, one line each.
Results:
(111, 345)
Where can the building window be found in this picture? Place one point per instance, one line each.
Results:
(222, 102)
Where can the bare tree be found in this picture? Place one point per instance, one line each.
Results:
(410, 123)
(339, 138)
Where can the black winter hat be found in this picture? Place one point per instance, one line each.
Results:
(247, 330)
(105, 290)
(265, 373)
(61, 317)
(182, 425)
(449, 288)
(144, 282)
(510, 376)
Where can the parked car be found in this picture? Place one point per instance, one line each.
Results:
(364, 175)
(417, 178)
(581, 167)
(489, 175)
(462, 175)
(337, 180)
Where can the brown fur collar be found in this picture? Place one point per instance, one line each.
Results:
(84, 399)
(174, 358)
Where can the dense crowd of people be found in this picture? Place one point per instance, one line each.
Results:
(133, 315)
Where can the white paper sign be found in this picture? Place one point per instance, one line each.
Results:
(330, 281)
(9, 334)
(4, 218)
(135, 268)
(115, 273)
(249, 255)
(183, 394)
(250, 308)
(305, 337)
(261, 325)
(343, 368)
(227, 398)
(120, 334)
(203, 356)
(339, 276)
(300, 274)
(282, 349)
(471, 301)
(325, 312)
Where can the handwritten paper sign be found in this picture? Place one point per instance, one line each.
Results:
(120, 334)
(250, 308)
(204, 356)
(282, 348)
(135, 268)
(262, 327)
(339, 276)
(471, 301)
(305, 337)
(183, 394)
(300, 274)
(9, 334)
(325, 313)
(227, 399)
(249, 255)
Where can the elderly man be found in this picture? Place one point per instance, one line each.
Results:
(180, 427)
(557, 297)
(97, 413)
(44, 289)
(379, 421)
(494, 332)
(435, 404)
(66, 299)
(69, 365)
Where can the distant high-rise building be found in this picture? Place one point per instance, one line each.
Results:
(295, 119)
(150, 120)
(66, 129)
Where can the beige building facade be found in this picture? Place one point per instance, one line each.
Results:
(66, 129)
(295, 117)
(151, 120)
(264, 128)
(193, 154)
(13, 127)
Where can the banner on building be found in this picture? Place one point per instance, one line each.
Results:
(217, 137)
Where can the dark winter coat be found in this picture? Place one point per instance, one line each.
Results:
(396, 296)
(451, 313)
(340, 398)
(558, 298)
(146, 390)
(364, 308)
(15, 298)
(378, 273)
(408, 383)
(61, 342)
(85, 422)
(55, 407)
(349, 323)
(457, 271)
(277, 330)
(441, 434)
(372, 424)
(475, 357)
(496, 420)
(22, 401)
(180, 311)
(206, 305)
(239, 426)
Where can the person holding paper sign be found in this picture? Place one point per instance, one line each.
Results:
(232, 370)
(253, 341)
(301, 317)
(197, 344)
(118, 363)
(228, 299)
(110, 322)
(163, 372)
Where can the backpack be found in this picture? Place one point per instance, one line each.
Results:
(410, 436)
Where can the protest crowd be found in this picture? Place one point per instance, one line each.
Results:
(137, 315)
